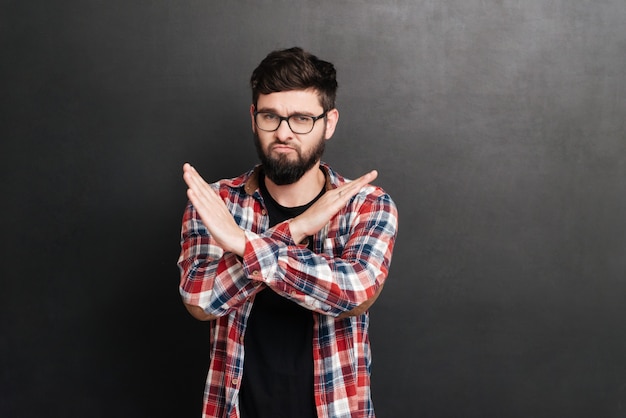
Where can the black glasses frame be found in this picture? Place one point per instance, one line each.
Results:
(286, 118)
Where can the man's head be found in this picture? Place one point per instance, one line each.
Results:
(293, 112)
(295, 69)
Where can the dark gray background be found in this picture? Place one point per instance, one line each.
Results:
(497, 126)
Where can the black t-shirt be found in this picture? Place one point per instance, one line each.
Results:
(278, 361)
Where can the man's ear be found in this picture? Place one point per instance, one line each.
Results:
(332, 118)
(252, 118)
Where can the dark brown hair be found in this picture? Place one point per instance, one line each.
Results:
(295, 69)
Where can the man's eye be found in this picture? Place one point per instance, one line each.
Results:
(269, 116)
(300, 118)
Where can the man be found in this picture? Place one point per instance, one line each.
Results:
(286, 259)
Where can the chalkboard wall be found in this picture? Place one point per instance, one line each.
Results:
(496, 125)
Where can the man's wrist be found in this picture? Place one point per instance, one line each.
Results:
(239, 244)
(295, 230)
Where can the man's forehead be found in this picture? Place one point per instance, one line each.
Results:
(308, 98)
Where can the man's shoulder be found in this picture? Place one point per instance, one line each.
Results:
(236, 180)
(337, 179)
(247, 181)
(333, 177)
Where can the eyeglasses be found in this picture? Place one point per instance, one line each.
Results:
(299, 124)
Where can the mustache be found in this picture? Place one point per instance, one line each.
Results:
(281, 142)
(289, 143)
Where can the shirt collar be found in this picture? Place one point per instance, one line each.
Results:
(251, 185)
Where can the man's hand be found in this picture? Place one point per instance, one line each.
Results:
(362, 307)
(213, 212)
(315, 217)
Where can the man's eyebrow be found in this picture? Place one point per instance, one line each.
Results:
(266, 110)
(275, 112)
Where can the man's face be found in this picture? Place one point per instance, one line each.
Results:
(287, 156)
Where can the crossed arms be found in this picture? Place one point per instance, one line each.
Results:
(222, 264)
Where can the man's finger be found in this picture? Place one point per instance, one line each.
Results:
(368, 177)
(350, 189)
(193, 178)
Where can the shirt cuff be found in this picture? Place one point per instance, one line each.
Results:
(261, 254)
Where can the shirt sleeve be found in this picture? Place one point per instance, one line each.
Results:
(348, 270)
(210, 277)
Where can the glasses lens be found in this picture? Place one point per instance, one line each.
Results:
(267, 121)
(301, 124)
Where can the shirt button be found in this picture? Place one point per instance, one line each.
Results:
(235, 381)
(256, 272)
(264, 212)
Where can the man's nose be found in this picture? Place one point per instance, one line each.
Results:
(284, 130)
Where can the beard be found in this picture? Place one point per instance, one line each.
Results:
(282, 170)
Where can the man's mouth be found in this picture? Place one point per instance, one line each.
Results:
(282, 148)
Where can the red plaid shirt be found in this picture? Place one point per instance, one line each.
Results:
(350, 261)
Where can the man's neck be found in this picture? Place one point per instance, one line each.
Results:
(298, 193)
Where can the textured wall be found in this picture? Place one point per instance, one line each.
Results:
(496, 125)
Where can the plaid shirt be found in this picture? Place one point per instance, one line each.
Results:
(350, 261)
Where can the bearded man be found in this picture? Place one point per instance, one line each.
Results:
(286, 259)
